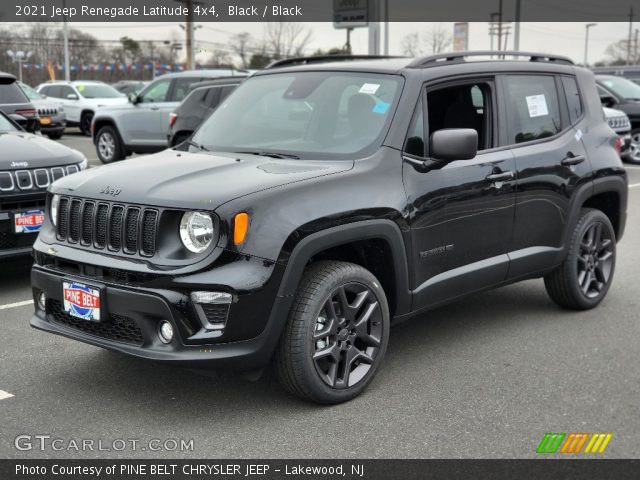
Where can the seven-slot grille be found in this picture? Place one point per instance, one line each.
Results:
(35, 179)
(105, 225)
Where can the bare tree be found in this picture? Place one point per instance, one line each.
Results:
(240, 44)
(617, 53)
(286, 39)
(411, 45)
(437, 39)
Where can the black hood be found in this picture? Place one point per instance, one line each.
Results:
(192, 180)
(21, 150)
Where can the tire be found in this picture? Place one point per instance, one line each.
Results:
(109, 145)
(54, 136)
(584, 277)
(319, 340)
(634, 148)
(85, 123)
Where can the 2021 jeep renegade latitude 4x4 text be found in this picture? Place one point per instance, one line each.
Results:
(321, 202)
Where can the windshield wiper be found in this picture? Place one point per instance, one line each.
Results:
(198, 146)
(270, 154)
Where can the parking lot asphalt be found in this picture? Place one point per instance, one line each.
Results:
(487, 376)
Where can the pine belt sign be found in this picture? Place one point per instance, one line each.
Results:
(350, 13)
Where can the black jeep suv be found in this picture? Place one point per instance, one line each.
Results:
(319, 203)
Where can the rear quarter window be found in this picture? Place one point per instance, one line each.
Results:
(11, 94)
(574, 102)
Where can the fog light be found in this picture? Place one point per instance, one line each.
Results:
(165, 332)
(42, 301)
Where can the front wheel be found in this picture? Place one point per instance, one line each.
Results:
(336, 335)
(634, 148)
(108, 145)
(584, 278)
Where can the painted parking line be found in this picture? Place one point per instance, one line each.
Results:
(4, 395)
(16, 304)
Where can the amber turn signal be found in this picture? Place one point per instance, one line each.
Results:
(240, 227)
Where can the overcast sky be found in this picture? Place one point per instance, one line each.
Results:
(559, 38)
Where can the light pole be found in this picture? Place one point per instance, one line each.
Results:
(586, 42)
(19, 57)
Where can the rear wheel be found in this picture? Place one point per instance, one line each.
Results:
(584, 278)
(336, 335)
(108, 145)
(85, 123)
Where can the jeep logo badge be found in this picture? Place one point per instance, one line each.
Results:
(109, 190)
(19, 164)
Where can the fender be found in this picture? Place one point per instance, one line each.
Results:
(597, 186)
(314, 243)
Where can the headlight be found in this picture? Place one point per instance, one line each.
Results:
(196, 231)
(55, 201)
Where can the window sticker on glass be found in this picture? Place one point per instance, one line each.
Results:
(381, 107)
(537, 105)
(369, 88)
(80, 88)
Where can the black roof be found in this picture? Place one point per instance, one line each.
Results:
(7, 77)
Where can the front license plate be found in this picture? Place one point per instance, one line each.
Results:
(81, 301)
(45, 121)
(28, 222)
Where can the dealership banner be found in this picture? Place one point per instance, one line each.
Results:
(341, 12)
(317, 469)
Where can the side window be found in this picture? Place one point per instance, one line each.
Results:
(212, 97)
(533, 110)
(181, 88)
(574, 102)
(463, 105)
(66, 90)
(415, 139)
(226, 90)
(156, 92)
(46, 91)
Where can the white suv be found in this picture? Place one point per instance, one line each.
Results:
(81, 100)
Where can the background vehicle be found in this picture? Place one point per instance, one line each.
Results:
(630, 72)
(28, 164)
(141, 125)
(325, 200)
(51, 114)
(129, 86)
(620, 124)
(203, 99)
(82, 99)
(15, 103)
(622, 94)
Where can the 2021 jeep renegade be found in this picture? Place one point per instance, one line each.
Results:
(321, 202)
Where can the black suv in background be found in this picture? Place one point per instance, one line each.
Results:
(28, 165)
(16, 105)
(323, 202)
(203, 99)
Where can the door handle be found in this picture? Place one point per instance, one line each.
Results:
(572, 159)
(155, 108)
(500, 177)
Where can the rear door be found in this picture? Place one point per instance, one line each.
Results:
(551, 164)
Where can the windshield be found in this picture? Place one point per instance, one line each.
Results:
(623, 88)
(6, 125)
(30, 92)
(306, 114)
(98, 91)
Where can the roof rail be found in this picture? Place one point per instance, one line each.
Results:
(458, 57)
(288, 62)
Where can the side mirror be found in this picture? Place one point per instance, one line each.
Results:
(133, 98)
(451, 144)
(608, 101)
(72, 96)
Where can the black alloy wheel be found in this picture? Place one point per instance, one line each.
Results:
(595, 261)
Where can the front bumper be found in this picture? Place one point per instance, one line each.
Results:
(14, 244)
(131, 314)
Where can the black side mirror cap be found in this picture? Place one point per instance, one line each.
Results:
(450, 144)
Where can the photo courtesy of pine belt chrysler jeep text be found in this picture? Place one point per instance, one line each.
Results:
(321, 202)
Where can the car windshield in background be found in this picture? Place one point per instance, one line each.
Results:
(30, 92)
(623, 87)
(306, 114)
(98, 91)
(6, 125)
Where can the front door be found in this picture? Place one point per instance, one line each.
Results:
(143, 123)
(461, 212)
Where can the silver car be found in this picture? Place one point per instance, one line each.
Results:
(141, 125)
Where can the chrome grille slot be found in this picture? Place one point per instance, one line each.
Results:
(149, 226)
(74, 221)
(131, 230)
(101, 225)
(63, 219)
(87, 223)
